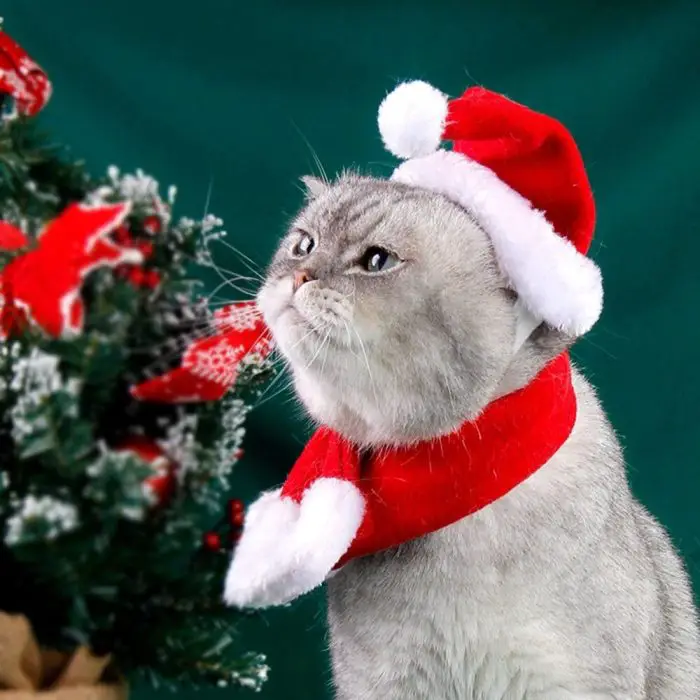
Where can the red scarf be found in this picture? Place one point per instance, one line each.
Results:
(412, 491)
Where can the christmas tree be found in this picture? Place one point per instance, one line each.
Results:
(123, 397)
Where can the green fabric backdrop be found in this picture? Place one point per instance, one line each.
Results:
(220, 92)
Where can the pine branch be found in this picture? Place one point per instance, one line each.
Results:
(88, 554)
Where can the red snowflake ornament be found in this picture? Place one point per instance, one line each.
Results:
(22, 78)
(43, 285)
(244, 316)
(163, 482)
(210, 365)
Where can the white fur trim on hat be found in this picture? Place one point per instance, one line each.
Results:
(288, 548)
(412, 119)
(554, 281)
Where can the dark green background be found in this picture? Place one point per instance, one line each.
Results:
(220, 91)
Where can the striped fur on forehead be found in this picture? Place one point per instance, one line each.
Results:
(354, 206)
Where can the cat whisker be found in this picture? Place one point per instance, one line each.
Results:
(225, 270)
(314, 155)
(304, 337)
(248, 293)
(230, 282)
(369, 370)
(193, 330)
(347, 331)
(325, 355)
(226, 281)
(586, 339)
(318, 350)
(249, 263)
(177, 341)
(235, 277)
(261, 398)
(207, 301)
(220, 271)
(207, 199)
(220, 302)
(274, 395)
(219, 268)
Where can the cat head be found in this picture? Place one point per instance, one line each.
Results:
(389, 306)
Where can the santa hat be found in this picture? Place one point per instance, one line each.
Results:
(521, 175)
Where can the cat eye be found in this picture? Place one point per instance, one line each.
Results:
(303, 246)
(378, 259)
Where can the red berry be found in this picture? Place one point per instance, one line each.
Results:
(137, 276)
(122, 235)
(238, 454)
(236, 511)
(152, 279)
(212, 541)
(152, 224)
(146, 248)
(236, 505)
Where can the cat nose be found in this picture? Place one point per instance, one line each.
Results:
(301, 277)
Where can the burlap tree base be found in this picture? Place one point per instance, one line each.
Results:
(28, 672)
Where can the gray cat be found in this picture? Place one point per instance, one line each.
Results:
(564, 589)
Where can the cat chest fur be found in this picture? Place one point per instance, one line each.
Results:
(395, 637)
(513, 602)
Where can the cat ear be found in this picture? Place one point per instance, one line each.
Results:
(314, 187)
(532, 353)
(533, 334)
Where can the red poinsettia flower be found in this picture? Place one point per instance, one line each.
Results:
(22, 78)
(210, 365)
(43, 285)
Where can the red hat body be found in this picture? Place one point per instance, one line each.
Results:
(531, 152)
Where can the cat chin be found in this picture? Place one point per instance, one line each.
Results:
(344, 407)
(317, 400)
(273, 298)
(284, 321)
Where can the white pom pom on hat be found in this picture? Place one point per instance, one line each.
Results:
(521, 174)
(412, 119)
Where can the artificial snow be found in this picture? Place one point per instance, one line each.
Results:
(35, 378)
(210, 230)
(55, 516)
(137, 497)
(253, 677)
(141, 189)
(180, 444)
(233, 426)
